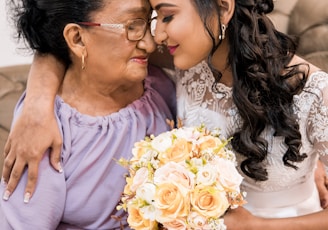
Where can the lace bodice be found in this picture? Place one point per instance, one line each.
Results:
(198, 104)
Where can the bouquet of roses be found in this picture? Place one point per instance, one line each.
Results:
(181, 179)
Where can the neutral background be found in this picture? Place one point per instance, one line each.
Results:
(10, 51)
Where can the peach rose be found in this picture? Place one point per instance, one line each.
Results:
(209, 142)
(174, 172)
(172, 201)
(137, 221)
(178, 152)
(209, 202)
(139, 149)
(177, 224)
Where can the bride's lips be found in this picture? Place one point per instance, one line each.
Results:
(172, 49)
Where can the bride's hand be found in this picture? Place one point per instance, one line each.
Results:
(321, 181)
(33, 133)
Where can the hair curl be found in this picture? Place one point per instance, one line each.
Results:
(262, 92)
(41, 22)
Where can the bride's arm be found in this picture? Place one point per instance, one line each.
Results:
(321, 181)
(241, 219)
(36, 129)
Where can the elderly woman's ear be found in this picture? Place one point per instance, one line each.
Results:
(75, 37)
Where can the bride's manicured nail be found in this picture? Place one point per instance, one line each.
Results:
(27, 197)
(60, 169)
(6, 195)
(3, 181)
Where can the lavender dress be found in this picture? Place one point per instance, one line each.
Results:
(85, 196)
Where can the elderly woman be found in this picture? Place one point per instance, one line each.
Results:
(105, 104)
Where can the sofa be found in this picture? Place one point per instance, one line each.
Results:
(12, 84)
(303, 18)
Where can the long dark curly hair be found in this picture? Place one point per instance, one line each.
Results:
(263, 83)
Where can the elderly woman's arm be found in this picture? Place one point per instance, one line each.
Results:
(36, 129)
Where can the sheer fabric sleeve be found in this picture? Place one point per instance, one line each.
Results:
(317, 125)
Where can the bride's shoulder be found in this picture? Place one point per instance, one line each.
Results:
(305, 65)
(315, 74)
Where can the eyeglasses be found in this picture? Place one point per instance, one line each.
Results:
(135, 28)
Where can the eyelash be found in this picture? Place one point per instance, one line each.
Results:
(167, 19)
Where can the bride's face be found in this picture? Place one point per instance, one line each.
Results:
(180, 27)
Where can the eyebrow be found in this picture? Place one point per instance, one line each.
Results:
(159, 6)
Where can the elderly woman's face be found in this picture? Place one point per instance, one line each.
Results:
(111, 55)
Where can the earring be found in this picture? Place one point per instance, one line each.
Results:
(160, 49)
(83, 60)
(223, 29)
(83, 63)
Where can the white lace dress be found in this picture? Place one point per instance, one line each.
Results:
(287, 192)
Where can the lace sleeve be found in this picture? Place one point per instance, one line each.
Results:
(317, 125)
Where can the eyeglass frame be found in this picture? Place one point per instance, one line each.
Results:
(121, 26)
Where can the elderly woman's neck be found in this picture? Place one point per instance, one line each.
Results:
(94, 97)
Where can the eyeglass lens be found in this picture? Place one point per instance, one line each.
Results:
(136, 29)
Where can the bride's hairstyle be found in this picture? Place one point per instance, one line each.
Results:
(263, 83)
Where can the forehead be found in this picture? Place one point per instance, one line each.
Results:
(123, 8)
(168, 3)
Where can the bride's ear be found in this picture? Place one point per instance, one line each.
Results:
(227, 9)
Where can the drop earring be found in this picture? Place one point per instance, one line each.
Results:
(160, 48)
(83, 60)
(223, 29)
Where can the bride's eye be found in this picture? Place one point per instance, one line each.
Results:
(167, 19)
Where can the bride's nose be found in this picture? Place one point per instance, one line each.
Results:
(158, 31)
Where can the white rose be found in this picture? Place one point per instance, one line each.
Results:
(206, 175)
(196, 221)
(149, 212)
(197, 162)
(162, 142)
(146, 192)
(188, 133)
(229, 176)
(139, 178)
(148, 157)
